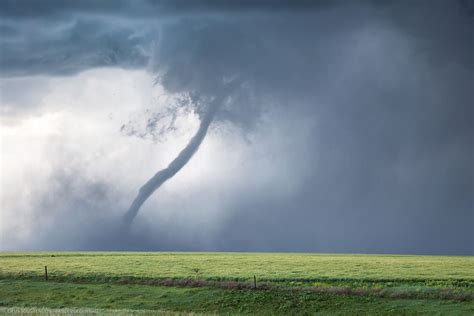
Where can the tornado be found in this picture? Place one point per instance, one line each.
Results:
(177, 164)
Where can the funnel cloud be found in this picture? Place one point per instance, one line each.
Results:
(176, 165)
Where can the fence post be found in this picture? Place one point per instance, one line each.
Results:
(254, 282)
(46, 273)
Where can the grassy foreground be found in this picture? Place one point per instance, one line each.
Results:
(160, 283)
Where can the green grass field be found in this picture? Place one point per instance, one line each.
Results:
(162, 283)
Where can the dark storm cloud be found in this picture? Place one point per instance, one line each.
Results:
(65, 37)
(70, 46)
(388, 83)
(143, 8)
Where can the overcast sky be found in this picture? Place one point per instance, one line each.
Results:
(351, 129)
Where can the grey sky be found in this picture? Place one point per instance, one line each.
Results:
(352, 131)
